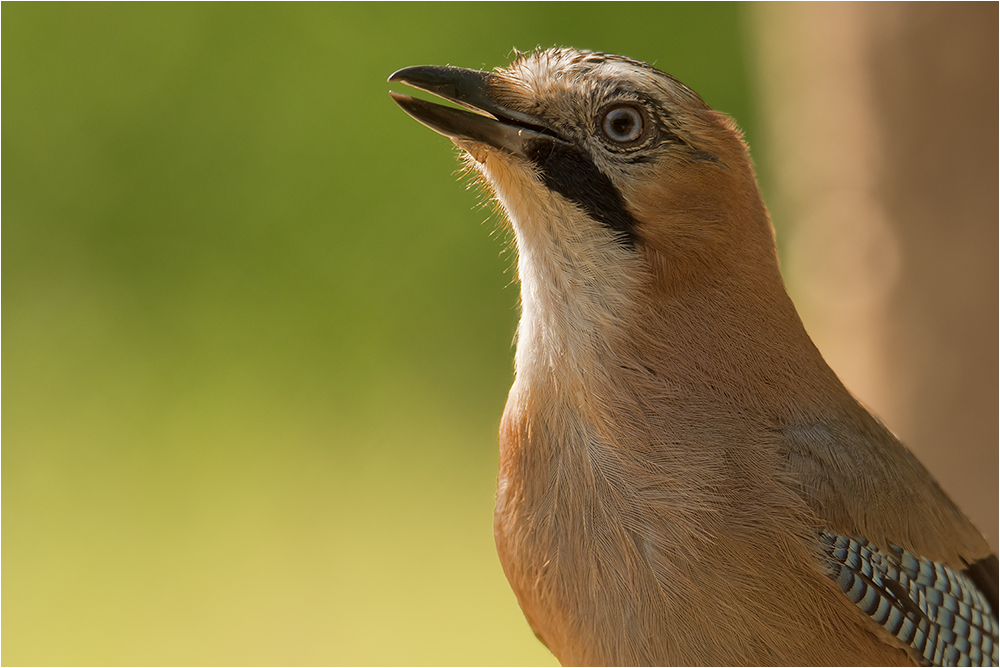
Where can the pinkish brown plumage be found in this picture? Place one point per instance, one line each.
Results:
(681, 474)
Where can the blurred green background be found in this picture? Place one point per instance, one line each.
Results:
(258, 336)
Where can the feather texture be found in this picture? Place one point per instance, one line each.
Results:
(683, 479)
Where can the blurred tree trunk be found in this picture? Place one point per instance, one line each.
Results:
(880, 152)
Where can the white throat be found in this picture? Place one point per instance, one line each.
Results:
(577, 279)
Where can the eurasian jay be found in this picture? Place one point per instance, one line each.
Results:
(683, 479)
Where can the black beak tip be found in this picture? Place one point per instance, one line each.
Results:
(415, 74)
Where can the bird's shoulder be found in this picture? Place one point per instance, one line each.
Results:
(858, 478)
(894, 542)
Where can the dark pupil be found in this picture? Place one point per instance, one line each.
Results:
(622, 123)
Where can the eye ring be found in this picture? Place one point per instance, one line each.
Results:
(623, 123)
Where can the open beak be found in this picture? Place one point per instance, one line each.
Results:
(491, 124)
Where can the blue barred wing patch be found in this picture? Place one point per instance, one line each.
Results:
(935, 610)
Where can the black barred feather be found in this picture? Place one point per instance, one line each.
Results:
(945, 616)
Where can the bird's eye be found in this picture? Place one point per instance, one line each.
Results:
(622, 124)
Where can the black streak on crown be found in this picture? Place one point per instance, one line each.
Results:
(570, 172)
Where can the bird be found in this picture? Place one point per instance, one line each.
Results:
(682, 477)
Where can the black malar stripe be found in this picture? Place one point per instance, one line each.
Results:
(570, 172)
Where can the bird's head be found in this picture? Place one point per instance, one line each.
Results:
(605, 151)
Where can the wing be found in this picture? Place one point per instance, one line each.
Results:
(984, 574)
(943, 615)
(895, 544)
